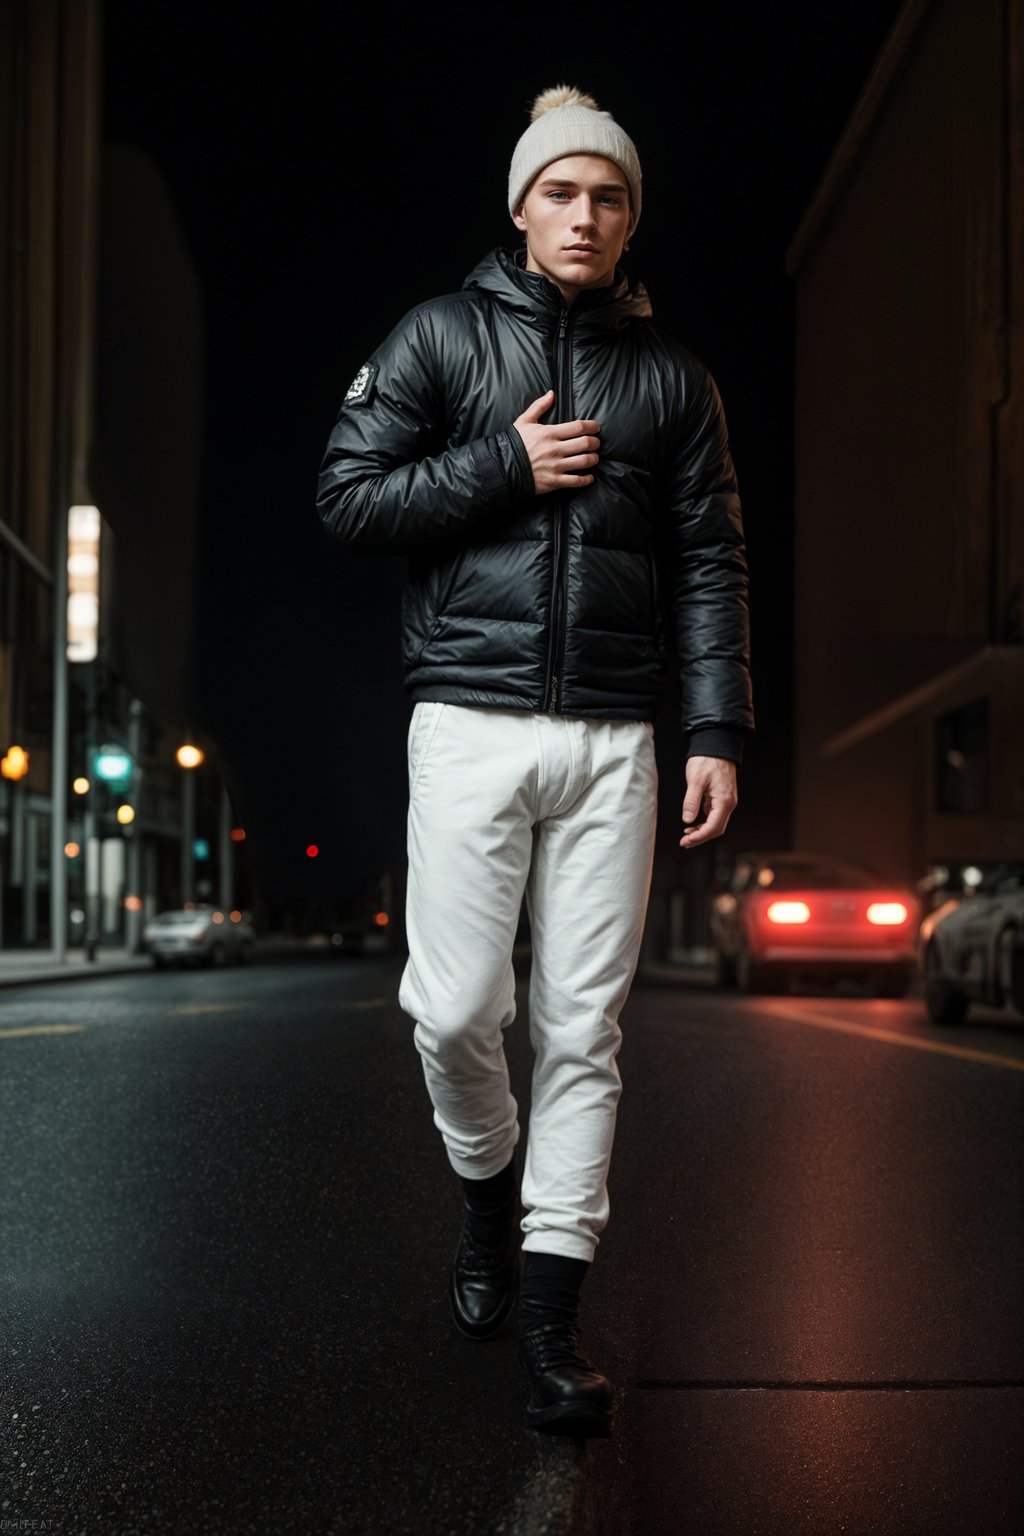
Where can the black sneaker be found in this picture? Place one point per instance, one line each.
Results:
(485, 1274)
(569, 1395)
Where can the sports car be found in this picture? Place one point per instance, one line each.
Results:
(788, 914)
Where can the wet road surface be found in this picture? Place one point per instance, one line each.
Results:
(227, 1220)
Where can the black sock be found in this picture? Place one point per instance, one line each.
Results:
(491, 1199)
(551, 1288)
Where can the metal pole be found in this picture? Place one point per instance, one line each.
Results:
(59, 730)
(134, 915)
(5, 830)
(188, 823)
(91, 818)
(225, 858)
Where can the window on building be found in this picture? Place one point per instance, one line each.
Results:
(962, 759)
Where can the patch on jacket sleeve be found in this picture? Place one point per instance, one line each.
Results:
(361, 388)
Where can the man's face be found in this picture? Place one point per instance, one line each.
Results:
(580, 200)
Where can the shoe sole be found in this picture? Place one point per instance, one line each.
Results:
(564, 1419)
(493, 1324)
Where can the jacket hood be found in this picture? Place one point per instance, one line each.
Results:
(502, 272)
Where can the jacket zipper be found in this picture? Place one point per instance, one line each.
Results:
(563, 374)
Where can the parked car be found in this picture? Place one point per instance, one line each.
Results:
(972, 950)
(788, 913)
(199, 934)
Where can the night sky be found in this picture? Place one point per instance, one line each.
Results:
(333, 165)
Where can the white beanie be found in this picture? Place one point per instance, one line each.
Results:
(565, 121)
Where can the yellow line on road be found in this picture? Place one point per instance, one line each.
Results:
(41, 1029)
(207, 1007)
(891, 1036)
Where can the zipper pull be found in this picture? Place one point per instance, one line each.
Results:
(562, 319)
(554, 695)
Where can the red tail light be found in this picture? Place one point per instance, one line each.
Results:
(788, 912)
(887, 913)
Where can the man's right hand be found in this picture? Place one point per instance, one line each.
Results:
(560, 453)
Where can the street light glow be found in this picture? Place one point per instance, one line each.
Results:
(14, 763)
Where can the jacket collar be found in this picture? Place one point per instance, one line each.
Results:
(537, 300)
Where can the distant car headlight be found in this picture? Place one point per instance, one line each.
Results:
(887, 912)
(788, 912)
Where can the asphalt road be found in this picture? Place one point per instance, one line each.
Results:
(227, 1219)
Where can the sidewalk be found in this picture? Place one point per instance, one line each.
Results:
(20, 966)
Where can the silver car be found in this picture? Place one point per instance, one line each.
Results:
(199, 934)
(973, 949)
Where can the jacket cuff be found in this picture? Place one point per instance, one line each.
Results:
(519, 463)
(499, 461)
(717, 741)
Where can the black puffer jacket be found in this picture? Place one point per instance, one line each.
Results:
(554, 601)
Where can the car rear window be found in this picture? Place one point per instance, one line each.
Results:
(794, 877)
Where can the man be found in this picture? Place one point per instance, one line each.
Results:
(553, 466)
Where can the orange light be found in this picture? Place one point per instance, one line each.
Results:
(236, 916)
(238, 834)
(218, 917)
(14, 763)
(72, 850)
(133, 903)
(788, 912)
(381, 919)
(887, 912)
(312, 851)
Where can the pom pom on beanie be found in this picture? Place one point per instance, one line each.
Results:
(567, 121)
(560, 96)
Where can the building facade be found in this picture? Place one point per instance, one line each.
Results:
(909, 456)
(100, 337)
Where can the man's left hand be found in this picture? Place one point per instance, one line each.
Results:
(711, 782)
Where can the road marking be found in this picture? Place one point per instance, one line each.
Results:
(207, 1007)
(42, 1029)
(891, 1036)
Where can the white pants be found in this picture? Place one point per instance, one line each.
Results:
(504, 801)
